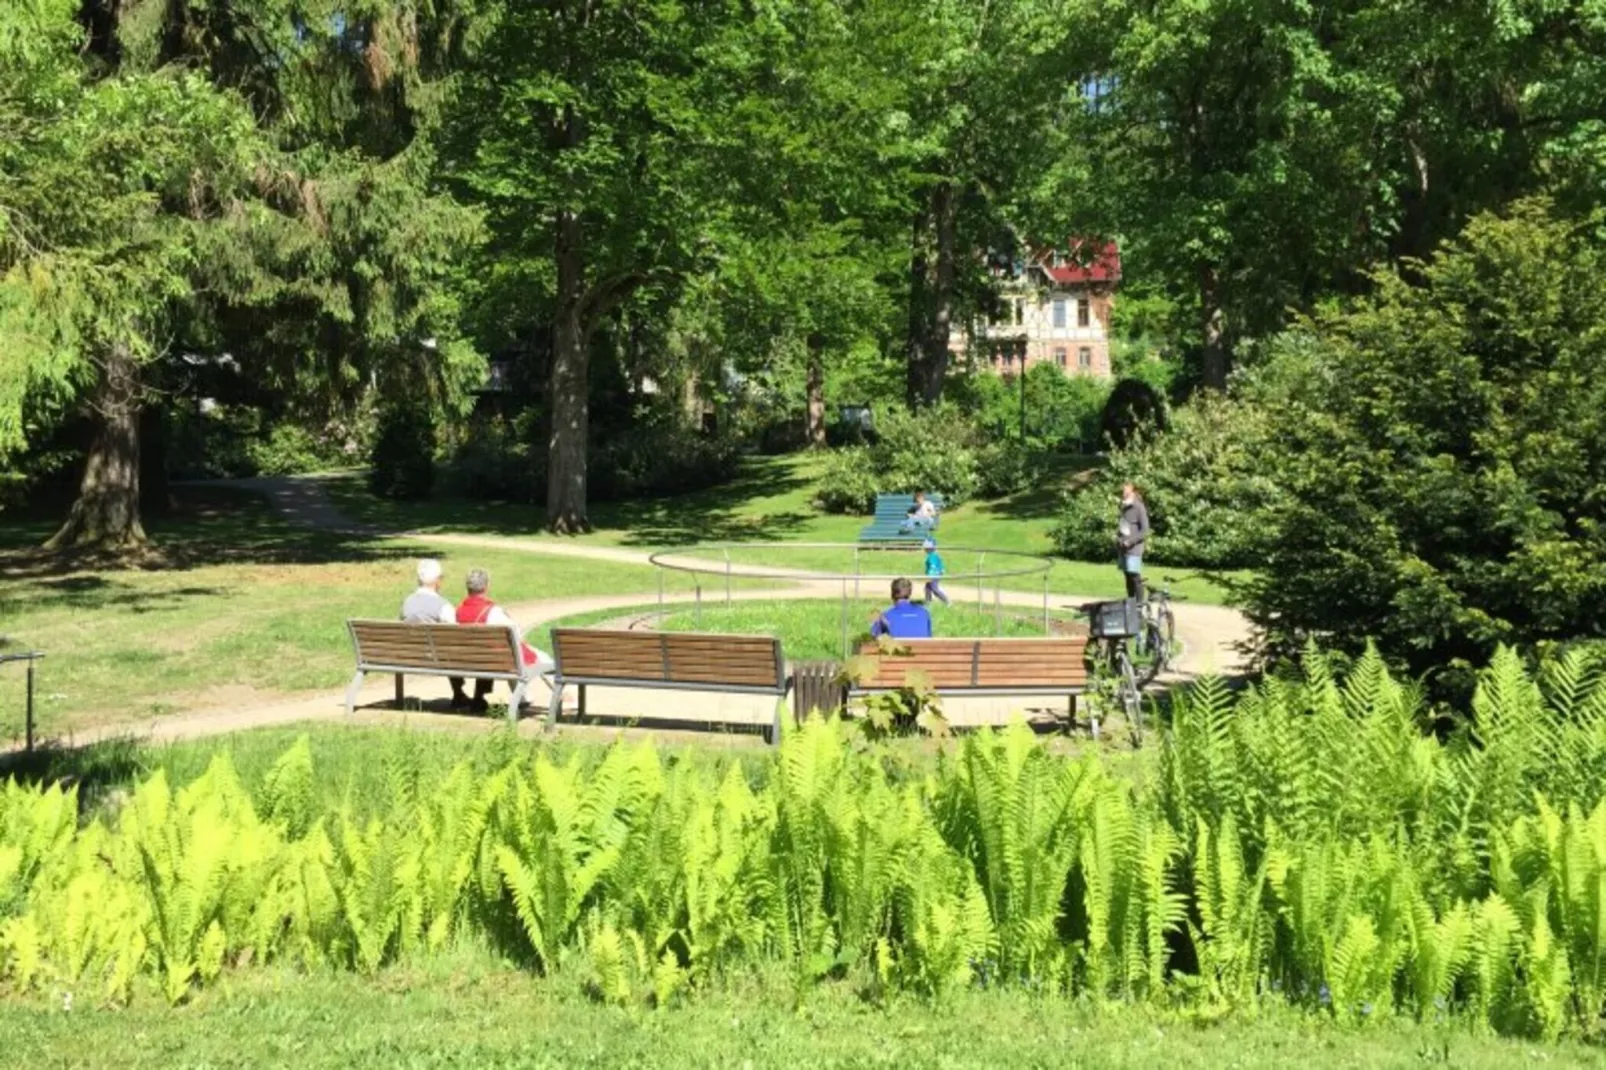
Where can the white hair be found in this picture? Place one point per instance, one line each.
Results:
(429, 570)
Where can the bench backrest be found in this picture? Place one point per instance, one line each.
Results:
(470, 648)
(961, 664)
(676, 659)
(888, 506)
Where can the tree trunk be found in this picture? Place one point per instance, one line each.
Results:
(106, 514)
(935, 370)
(919, 319)
(1213, 355)
(566, 451)
(816, 392)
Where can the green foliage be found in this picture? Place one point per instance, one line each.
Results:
(291, 449)
(662, 456)
(1303, 841)
(931, 450)
(915, 707)
(496, 460)
(1207, 481)
(1439, 448)
(1061, 411)
(403, 461)
(1134, 408)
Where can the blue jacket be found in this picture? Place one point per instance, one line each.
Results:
(904, 620)
(933, 563)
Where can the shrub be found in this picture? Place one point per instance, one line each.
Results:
(291, 449)
(214, 444)
(1005, 468)
(496, 461)
(1062, 411)
(661, 456)
(1206, 482)
(1443, 442)
(931, 450)
(403, 461)
(1133, 408)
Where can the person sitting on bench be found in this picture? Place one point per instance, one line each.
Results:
(923, 515)
(428, 606)
(478, 608)
(903, 619)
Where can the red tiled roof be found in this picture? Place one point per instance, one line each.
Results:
(1085, 264)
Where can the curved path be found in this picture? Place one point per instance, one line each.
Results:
(1212, 637)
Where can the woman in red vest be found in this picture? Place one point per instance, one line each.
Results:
(478, 608)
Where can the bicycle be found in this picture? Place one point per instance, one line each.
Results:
(1112, 625)
(1155, 643)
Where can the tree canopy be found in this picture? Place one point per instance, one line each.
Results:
(353, 203)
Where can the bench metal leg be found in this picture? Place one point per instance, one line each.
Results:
(556, 707)
(1070, 717)
(401, 695)
(515, 701)
(351, 691)
(582, 708)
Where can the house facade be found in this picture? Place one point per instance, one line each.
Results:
(1054, 308)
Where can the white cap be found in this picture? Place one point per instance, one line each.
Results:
(429, 570)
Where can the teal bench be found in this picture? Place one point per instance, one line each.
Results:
(891, 515)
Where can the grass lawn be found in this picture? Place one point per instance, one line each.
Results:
(244, 602)
(465, 1010)
(812, 628)
(772, 501)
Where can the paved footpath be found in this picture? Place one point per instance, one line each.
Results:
(1211, 638)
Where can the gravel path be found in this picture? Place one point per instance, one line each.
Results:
(1211, 637)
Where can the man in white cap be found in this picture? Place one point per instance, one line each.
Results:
(428, 606)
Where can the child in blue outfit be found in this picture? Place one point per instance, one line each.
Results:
(934, 573)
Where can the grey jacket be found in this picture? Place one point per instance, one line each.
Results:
(1133, 530)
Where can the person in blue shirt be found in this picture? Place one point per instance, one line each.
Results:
(903, 619)
(934, 573)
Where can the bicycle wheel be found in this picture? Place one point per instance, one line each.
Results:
(1148, 653)
(1131, 697)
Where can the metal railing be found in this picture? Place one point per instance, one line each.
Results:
(697, 562)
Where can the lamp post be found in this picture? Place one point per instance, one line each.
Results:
(1022, 347)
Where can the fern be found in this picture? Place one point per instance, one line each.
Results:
(288, 796)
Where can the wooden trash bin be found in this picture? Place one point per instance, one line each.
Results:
(817, 686)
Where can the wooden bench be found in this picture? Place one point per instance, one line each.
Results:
(891, 518)
(474, 651)
(1052, 665)
(676, 661)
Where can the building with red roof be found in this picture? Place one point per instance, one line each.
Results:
(1053, 307)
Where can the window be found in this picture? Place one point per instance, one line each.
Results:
(1009, 359)
(1020, 312)
(1084, 312)
(1084, 357)
(1059, 357)
(1059, 312)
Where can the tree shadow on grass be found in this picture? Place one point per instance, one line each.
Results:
(1043, 501)
(722, 513)
(96, 770)
(208, 525)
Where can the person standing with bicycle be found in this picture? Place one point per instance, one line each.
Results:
(1131, 533)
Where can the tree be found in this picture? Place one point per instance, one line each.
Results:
(195, 183)
(971, 130)
(1259, 157)
(586, 129)
(112, 181)
(809, 242)
(1443, 448)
